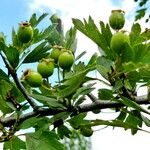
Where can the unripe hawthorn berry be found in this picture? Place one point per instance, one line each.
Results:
(46, 67)
(66, 60)
(56, 51)
(118, 41)
(117, 19)
(33, 78)
(86, 131)
(25, 32)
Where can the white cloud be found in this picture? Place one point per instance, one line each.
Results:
(98, 9)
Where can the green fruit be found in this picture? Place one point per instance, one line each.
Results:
(25, 32)
(55, 53)
(34, 79)
(46, 67)
(117, 19)
(118, 42)
(86, 131)
(66, 60)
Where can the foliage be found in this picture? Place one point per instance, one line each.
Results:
(57, 108)
(77, 142)
(142, 10)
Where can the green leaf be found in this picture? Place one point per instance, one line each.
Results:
(43, 35)
(4, 107)
(16, 43)
(104, 66)
(72, 83)
(63, 131)
(12, 55)
(127, 54)
(135, 120)
(34, 21)
(146, 57)
(59, 116)
(5, 87)
(145, 73)
(133, 104)
(122, 115)
(34, 56)
(41, 18)
(135, 37)
(71, 41)
(91, 31)
(17, 94)
(14, 144)
(92, 60)
(6, 91)
(145, 120)
(114, 123)
(46, 89)
(131, 66)
(142, 54)
(78, 67)
(140, 14)
(134, 76)
(83, 91)
(51, 102)
(106, 32)
(78, 120)
(105, 94)
(3, 37)
(55, 38)
(43, 141)
(79, 25)
(3, 76)
(34, 121)
(58, 22)
(103, 61)
(118, 85)
(146, 34)
(2, 46)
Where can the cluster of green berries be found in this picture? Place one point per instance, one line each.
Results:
(120, 38)
(45, 68)
(58, 57)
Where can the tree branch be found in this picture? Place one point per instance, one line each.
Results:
(19, 85)
(110, 104)
(82, 108)
(7, 122)
(93, 98)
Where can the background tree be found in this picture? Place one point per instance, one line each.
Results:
(51, 100)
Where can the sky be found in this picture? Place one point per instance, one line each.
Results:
(14, 11)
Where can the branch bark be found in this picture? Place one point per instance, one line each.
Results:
(19, 85)
(110, 104)
(81, 108)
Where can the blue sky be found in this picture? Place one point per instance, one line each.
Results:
(12, 12)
